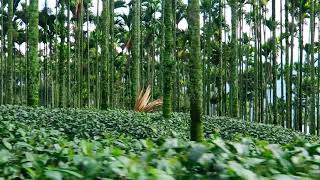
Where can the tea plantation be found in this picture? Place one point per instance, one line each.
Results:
(38, 143)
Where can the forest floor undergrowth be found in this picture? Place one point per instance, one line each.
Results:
(40, 143)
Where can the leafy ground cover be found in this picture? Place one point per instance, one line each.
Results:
(45, 153)
(88, 123)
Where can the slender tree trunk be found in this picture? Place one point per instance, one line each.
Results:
(82, 78)
(168, 63)
(162, 39)
(288, 108)
(234, 61)
(242, 102)
(256, 64)
(9, 69)
(2, 56)
(33, 61)
(174, 57)
(46, 56)
(61, 54)
(318, 83)
(105, 27)
(153, 53)
(274, 65)
(226, 111)
(135, 52)
(88, 62)
(281, 59)
(312, 73)
(68, 93)
(14, 78)
(204, 57)
(97, 74)
(26, 58)
(112, 68)
(290, 82)
(261, 68)
(79, 43)
(300, 78)
(220, 61)
(306, 116)
(195, 85)
(20, 75)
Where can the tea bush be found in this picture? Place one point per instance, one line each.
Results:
(89, 123)
(30, 153)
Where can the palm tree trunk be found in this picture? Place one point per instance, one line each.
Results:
(68, 93)
(88, 61)
(274, 65)
(290, 82)
(2, 56)
(174, 57)
(33, 62)
(261, 69)
(135, 52)
(281, 59)
(220, 61)
(318, 83)
(195, 86)
(204, 62)
(112, 68)
(46, 56)
(256, 64)
(225, 98)
(9, 73)
(312, 73)
(240, 83)
(300, 78)
(97, 63)
(105, 27)
(168, 63)
(61, 54)
(233, 104)
(287, 81)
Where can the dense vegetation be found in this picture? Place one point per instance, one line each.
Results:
(88, 123)
(55, 144)
(91, 71)
(254, 60)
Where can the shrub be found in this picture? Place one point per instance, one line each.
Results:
(29, 153)
(88, 123)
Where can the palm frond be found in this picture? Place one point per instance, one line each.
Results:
(142, 103)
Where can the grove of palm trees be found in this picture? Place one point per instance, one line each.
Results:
(160, 89)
